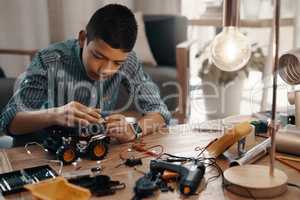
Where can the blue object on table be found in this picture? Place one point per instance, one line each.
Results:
(261, 126)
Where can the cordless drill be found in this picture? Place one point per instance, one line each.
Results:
(190, 174)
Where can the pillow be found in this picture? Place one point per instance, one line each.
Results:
(142, 47)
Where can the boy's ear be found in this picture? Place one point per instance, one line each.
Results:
(81, 38)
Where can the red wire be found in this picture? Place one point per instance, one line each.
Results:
(146, 151)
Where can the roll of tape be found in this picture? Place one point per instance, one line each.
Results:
(288, 142)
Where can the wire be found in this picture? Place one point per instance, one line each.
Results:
(142, 152)
(219, 170)
(61, 165)
(221, 174)
(178, 157)
(149, 150)
(248, 191)
(293, 185)
(198, 148)
(26, 147)
(212, 163)
(208, 162)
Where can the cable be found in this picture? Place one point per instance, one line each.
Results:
(219, 170)
(149, 150)
(221, 174)
(293, 185)
(143, 152)
(209, 162)
(249, 193)
(202, 150)
(61, 165)
(179, 157)
(140, 153)
(26, 147)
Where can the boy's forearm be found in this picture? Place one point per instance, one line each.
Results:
(31, 121)
(151, 123)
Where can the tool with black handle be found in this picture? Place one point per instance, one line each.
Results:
(190, 174)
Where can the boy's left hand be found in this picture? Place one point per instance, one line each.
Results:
(119, 128)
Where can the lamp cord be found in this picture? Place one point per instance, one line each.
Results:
(294, 185)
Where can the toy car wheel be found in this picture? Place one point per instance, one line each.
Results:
(67, 154)
(97, 150)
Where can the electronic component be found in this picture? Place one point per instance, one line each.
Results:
(13, 182)
(137, 130)
(70, 143)
(131, 162)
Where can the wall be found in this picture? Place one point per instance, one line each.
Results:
(23, 25)
(68, 17)
(158, 6)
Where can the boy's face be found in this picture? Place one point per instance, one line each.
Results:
(99, 59)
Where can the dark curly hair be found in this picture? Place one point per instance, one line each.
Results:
(115, 24)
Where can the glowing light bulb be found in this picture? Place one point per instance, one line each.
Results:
(230, 50)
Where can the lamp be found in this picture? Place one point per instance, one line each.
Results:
(230, 50)
(252, 180)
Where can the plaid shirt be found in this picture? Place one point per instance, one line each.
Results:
(57, 76)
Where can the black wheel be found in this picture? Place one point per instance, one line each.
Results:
(67, 154)
(98, 149)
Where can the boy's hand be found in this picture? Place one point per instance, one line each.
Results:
(75, 113)
(119, 128)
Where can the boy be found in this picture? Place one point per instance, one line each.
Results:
(73, 82)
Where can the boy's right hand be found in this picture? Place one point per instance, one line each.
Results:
(75, 113)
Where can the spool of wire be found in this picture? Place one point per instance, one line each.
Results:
(289, 67)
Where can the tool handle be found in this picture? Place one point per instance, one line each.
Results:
(190, 174)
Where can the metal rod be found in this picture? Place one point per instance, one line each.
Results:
(275, 47)
(297, 108)
(231, 12)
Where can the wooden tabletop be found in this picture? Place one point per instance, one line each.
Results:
(178, 140)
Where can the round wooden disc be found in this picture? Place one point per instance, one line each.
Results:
(255, 181)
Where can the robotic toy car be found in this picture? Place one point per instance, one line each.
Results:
(70, 143)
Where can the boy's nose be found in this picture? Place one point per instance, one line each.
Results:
(104, 68)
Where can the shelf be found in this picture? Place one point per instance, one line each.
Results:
(261, 23)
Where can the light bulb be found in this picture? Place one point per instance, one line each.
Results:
(230, 50)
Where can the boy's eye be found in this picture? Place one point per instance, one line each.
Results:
(118, 63)
(97, 56)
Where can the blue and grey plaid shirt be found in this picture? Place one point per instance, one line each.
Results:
(57, 76)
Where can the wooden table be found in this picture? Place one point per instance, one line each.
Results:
(178, 140)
